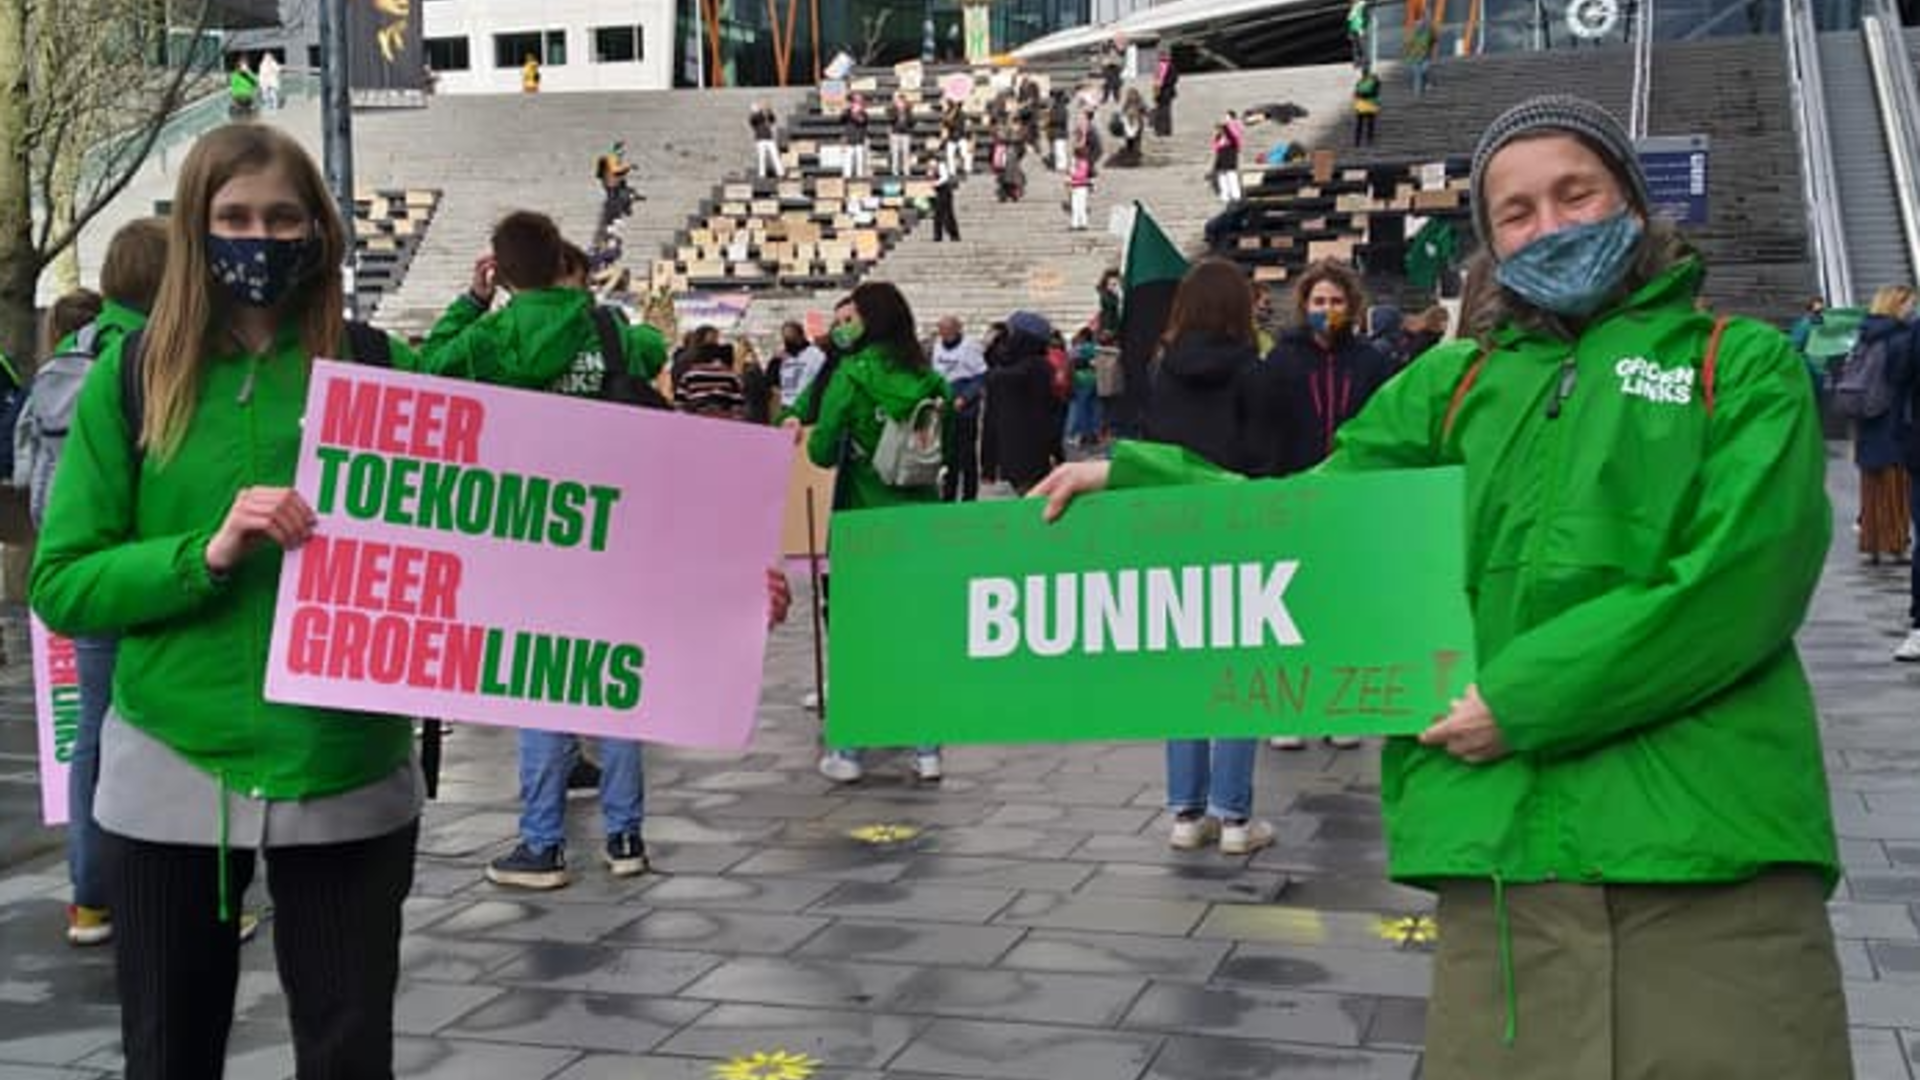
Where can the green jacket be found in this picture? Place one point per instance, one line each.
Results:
(243, 86)
(127, 559)
(1637, 568)
(544, 339)
(863, 388)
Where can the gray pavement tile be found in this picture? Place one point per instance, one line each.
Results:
(1302, 926)
(1026, 1052)
(1354, 894)
(439, 959)
(1884, 922)
(1237, 1059)
(465, 836)
(1117, 915)
(1910, 1041)
(1088, 819)
(424, 1008)
(420, 912)
(1215, 881)
(29, 886)
(1398, 1022)
(895, 942)
(1000, 840)
(791, 781)
(1072, 791)
(720, 931)
(1887, 888)
(932, 902)
(39, 967)
(1882, 1004)
(1320, 1019)
(988, 873)
(46, 1072)
(256, 1050)
(760, 805)
(1855, 963)
(1864, 856)
(525, 920)
(871, 808)
(1903, 855)
(1160, 958)
(670, 858)
(816, 984)
(1148, 848)
(437, 877)
(847, 863)
(38, 1035)
(1036, 997)
(1877, 1055)
(654, 1067)
(1893, 961)
(832, 1037)
(1329, 969)
(576, 1021)
(605, 969)
(689, 829)
(591, 883)
(457, 1059)
(787, 895)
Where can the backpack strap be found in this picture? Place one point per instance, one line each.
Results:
(1460, 394)
(619, 383)
(1710, 365)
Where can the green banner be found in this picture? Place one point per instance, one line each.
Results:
(1308, 606)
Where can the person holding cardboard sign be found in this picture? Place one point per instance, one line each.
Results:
(1626, 818)
(166, 527)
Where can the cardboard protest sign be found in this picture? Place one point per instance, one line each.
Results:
(529, 560)
(807, 482)
(1316, 605)
(56, 706)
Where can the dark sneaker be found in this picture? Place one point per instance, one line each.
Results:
(525, 868)
(584, 776)
(627, 855)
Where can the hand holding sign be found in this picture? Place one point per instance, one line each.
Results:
(1068, 482)
(260, 514)
(1468, 731)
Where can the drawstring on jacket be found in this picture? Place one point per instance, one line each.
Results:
(1503, 929)
(220, 854)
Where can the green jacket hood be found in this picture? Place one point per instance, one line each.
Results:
(542, 326)
(895, 389)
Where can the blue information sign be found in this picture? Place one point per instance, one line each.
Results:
(1676, 167)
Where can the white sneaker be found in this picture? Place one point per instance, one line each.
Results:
(926, 766)
(1343, 742)
(1191, 834)
(1909, 649)
(841, 767)
(1287, 742)
(811, 701)
(1245, 838)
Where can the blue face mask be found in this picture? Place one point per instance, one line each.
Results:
(1573, 271)
(259, 271)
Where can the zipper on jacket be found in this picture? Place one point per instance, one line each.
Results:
(254, 662)
(1569, 375)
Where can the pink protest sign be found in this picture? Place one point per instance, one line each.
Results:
(529, 560)
(56, 704)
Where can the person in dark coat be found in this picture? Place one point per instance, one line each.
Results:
(1022, 420)
(1880, 442)
(1203, 376)
(1319, 375)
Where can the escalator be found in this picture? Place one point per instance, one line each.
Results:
(1876, 247)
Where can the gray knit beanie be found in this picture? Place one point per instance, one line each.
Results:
(1576, 116)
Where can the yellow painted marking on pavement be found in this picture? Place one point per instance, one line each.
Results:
(765, 1065)
(882, 834)
(1410, 929)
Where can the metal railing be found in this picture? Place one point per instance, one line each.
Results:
(1819, 187)
(1899, 104)
(1641, 112)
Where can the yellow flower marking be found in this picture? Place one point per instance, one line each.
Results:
(879, 835)
(1410, 929)
(761, 1065)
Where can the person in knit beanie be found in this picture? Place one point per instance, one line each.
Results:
(1624, 816)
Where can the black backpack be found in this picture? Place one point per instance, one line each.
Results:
(620, 385)
(13, 398)
(365, 345)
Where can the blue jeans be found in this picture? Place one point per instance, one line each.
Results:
(1083, 413)
(1215, 775)
(1913, 566)
(545, 759)
(85, 853)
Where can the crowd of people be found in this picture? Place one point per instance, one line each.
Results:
(1630, 797)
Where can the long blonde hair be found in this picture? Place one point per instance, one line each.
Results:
(1891, 300)
(191, 306)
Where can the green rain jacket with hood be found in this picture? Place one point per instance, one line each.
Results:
(544, 339)
(864, 390)
(1637, 565)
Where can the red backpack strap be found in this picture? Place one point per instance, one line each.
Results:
(1460, 394)
(1712, 362)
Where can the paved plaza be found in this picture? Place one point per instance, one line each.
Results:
(1024, 919)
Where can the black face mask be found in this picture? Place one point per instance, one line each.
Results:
(951, 343)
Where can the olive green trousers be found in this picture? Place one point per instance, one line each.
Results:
(1638, 982)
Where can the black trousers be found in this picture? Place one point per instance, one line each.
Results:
(336, 938)
(945, 225)
(962, 478)
(1363, 128)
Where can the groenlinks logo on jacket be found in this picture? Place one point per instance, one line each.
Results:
(584, 377)
(1643, 378)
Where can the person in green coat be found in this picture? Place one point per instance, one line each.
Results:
(884, 374)
(1626, 818)
(168, 532)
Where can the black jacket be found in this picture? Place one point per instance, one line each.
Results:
(1304, 393)
(1023, 426)
(1201, 399)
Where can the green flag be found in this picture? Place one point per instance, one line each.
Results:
(1149, 278)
